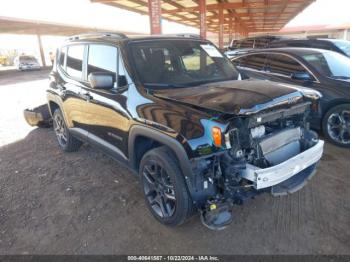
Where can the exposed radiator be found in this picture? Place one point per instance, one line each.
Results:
(281, 146)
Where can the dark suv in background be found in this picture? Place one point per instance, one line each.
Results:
(336, 45)
(325, 71)
(172, 110)
(242, 46)
(254, 42)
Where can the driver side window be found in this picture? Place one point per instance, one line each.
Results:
(284, 65)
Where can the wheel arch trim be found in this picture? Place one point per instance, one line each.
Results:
(333, 103)
(54, 98)
(173, 144)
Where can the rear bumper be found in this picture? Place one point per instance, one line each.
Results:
(268, 177)
(29, 67)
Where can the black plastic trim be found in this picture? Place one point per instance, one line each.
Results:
(173, 144)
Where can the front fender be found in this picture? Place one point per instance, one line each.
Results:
(176, 146)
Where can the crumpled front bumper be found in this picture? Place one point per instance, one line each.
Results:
(271, 176)
(39, 116)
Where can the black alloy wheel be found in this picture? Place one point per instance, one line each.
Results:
(60, 130)
(159, 189)
(164, 187)
(65, 140)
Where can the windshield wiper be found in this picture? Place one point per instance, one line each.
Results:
(160, 86)
(341, 77)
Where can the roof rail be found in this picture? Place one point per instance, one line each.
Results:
(188, 35)
(97, 35)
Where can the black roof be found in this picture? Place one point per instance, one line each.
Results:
(117, 37)
(309, 40)
(299, 51)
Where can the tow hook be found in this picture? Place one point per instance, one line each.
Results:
(216, 215)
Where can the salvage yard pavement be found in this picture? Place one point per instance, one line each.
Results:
(85, 203)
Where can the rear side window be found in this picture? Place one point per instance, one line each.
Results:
(322, 45)
(256, 62)
(300, 44)
(261, 43)
(102, 58)
(75, 56)
(284, 65)
(62, 57)
(249, 43)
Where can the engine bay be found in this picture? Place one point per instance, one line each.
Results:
(254, 145)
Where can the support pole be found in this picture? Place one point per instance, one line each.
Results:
(203, 18)
(41, 49)
(230, 31)
(236, 28)
(221, 27)
(155, 13)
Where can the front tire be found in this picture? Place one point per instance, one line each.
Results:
(66, 141)
(336, 125)
(164, 187)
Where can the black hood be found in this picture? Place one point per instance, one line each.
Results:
(236, 97)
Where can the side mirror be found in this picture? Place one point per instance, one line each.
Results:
(101, 80)
(122, 81)
(301, 76)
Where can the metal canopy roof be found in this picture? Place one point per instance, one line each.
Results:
(245, 15)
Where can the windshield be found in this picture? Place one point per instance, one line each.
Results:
(27, 58)
(330, 64)
(343, 45)
(179, 63)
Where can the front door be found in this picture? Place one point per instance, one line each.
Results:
(106, 118)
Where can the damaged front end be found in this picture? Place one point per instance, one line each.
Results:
(272, 152)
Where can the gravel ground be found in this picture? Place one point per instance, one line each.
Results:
(85, 203)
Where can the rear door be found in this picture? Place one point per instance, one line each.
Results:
(71, 68)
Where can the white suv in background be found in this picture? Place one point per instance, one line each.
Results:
(27, 62)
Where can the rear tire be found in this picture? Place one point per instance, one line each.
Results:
(164, 187)
(66, 141)
(336, 125)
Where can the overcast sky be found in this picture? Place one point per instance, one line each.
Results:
(324, 12)
(82, 12)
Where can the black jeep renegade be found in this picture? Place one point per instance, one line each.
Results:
(174, 110)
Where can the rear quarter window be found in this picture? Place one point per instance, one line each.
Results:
(62, 57)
